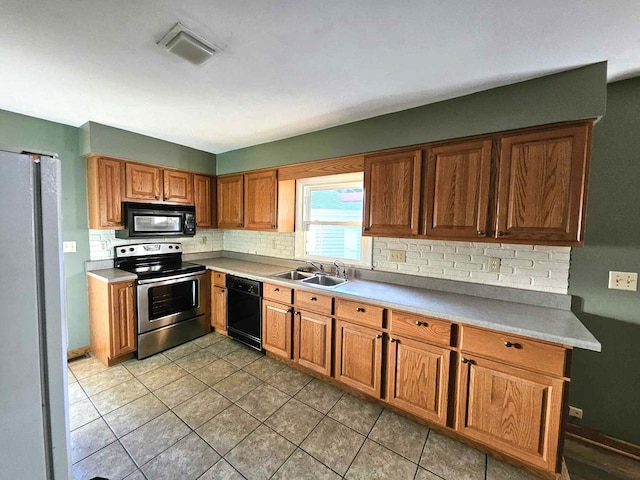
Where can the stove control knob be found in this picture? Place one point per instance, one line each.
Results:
(170, 247)
(122, 250)
(131, 249)
(177, 247)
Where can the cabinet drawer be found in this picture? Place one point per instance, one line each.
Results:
(362, 313)
(515, 350)
(277, 293)
(219, 279)
(313, 301)
(429, 329)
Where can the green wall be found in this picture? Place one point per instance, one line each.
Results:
(71, 144)
(607, 385)
(571, 95)
(28, 133)
(98, 138)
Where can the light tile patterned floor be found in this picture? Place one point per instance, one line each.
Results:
(215, 409)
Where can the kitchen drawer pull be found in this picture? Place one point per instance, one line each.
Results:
(501, 234)
(359, 309)
(378, 335)
(276, 289)
(392, 340)
(314, 299)
(464, 360)
(290, 310)
(299, 314)
(508, 344)
(481, 232)
(422, 324)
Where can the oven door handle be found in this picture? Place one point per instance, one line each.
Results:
(173, 277)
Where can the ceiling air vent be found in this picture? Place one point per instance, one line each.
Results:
(187, 45)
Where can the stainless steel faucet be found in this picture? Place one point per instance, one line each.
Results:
(340, 265)
(316, 265)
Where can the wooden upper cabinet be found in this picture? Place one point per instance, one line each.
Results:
(142, 182)
(203, 199)
(105, 184)
(178, 187)
(542, 185)
(457, 190)
(261, 200)
(510, 409)
(230, 201)
(418, 378)
(392, 193)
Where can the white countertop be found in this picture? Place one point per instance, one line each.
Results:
(543, 323)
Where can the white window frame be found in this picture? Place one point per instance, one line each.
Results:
(345, 180)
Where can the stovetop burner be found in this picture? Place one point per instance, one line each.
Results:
(154, 260)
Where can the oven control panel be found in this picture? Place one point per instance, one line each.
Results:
(142, 249)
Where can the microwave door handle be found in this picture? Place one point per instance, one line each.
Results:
(173, 277)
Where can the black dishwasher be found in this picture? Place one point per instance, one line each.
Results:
(244, 310)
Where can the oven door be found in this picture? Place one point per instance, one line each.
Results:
(169, 300)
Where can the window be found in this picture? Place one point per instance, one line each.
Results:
(329, 220)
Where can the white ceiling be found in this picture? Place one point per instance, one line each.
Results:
(289, 66)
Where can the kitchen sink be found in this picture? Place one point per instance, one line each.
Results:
(293, 275)
(324, 280)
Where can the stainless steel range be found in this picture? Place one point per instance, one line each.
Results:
(170, 300)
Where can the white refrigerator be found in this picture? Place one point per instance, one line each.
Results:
(34, 439)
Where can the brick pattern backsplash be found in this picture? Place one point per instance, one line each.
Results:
(522, 266)
(272, 244)
(101, 242)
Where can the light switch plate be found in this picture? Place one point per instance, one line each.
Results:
(623, 281)
(68, 247)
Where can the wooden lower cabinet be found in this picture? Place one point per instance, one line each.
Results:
(277, 321)
(218, 308)
(112, 319)
(511, 410)
(312, 341)
(358, 360)
(418, 378)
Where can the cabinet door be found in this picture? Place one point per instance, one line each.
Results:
(142, 182)
(457, 190)
(230, 198)
(203, 197)
(178, 187)
(510, 409)
(122, 318)
(359, 357)
(277, 328)
(219, 309)
(392, 193)
(542, 185)
(418, 378)
(312, 334)
(261, 200)
(105, 179)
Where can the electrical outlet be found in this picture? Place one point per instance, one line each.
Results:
(575, 412)
(494, 264)
(399, 256)
(68, 247)
(274, 244)
(623, 281)
(104, 245)
(203, 240)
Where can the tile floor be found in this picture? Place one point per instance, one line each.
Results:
(214, 409)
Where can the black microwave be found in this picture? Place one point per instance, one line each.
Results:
(149, 220)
